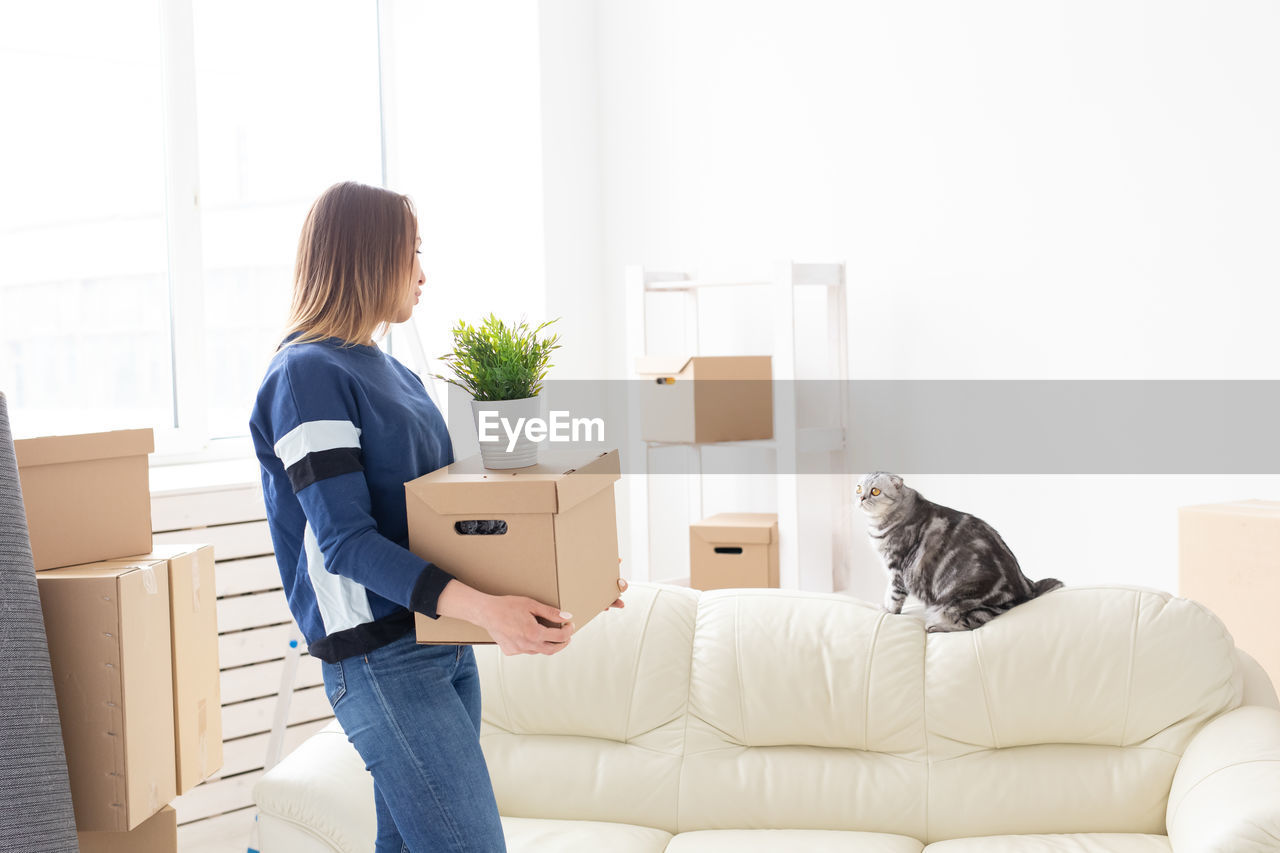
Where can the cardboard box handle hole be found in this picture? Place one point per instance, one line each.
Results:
(480, 527)
(727, 550)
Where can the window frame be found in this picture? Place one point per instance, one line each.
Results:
(188, 439)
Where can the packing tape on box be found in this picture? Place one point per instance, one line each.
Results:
(149, 579)
(153, 804)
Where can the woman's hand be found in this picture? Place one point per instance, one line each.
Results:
(622, 587)
(511, 620)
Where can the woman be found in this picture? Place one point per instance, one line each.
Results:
(338, 428)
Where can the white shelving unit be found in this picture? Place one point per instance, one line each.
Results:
(813, 516)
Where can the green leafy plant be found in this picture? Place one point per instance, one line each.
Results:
(494, 361)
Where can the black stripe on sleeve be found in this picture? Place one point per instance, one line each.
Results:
(323, 464)
(426, 590)
(363, 638)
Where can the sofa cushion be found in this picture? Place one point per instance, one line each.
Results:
(1108, 667)
(806, 712)
(780, 840)
(1096, 843)
(596, 731)
(820, 670)
(533, 835)
(1069, 713)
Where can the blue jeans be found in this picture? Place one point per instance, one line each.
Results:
(413, 714)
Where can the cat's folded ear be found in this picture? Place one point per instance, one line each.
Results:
(896, 480)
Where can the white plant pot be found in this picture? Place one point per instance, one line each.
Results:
(494, 450)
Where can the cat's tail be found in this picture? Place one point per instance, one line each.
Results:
(1040, 587)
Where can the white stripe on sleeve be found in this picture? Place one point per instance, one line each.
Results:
(314, 436)
(343, 603)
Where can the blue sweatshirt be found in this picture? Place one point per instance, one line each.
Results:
(338, 431)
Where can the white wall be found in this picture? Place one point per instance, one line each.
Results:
(493, 131)
(1030, 190)
(572, 197)
(463, 106)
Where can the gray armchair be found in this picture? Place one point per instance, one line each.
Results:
(35, 796)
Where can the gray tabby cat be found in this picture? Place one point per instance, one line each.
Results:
(955, 563)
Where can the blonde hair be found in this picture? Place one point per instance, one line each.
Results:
(355, 257)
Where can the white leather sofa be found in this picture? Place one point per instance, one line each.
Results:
(1100, 719)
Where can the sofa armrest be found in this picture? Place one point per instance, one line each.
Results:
(1258, 689)
(318, 798)
(1226, 790)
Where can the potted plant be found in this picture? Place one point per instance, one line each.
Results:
(502, 368)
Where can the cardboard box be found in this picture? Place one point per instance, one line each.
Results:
(197, 687)
(1229, 561)
(706, 398)
(734, 550)
(157, 834)
(87, 496)
(561, 541)
(108, 631)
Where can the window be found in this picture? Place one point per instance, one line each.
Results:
(286, 107)
(84, 304)
(126, 300)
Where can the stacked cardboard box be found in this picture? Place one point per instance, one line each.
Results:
(108, 631)
(706, 398)
(157, 834)
(557, 542)
(197, 689)
(132, 639)
(734, 550)
(87, 496)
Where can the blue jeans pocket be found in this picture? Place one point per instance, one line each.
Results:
(335, 682)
